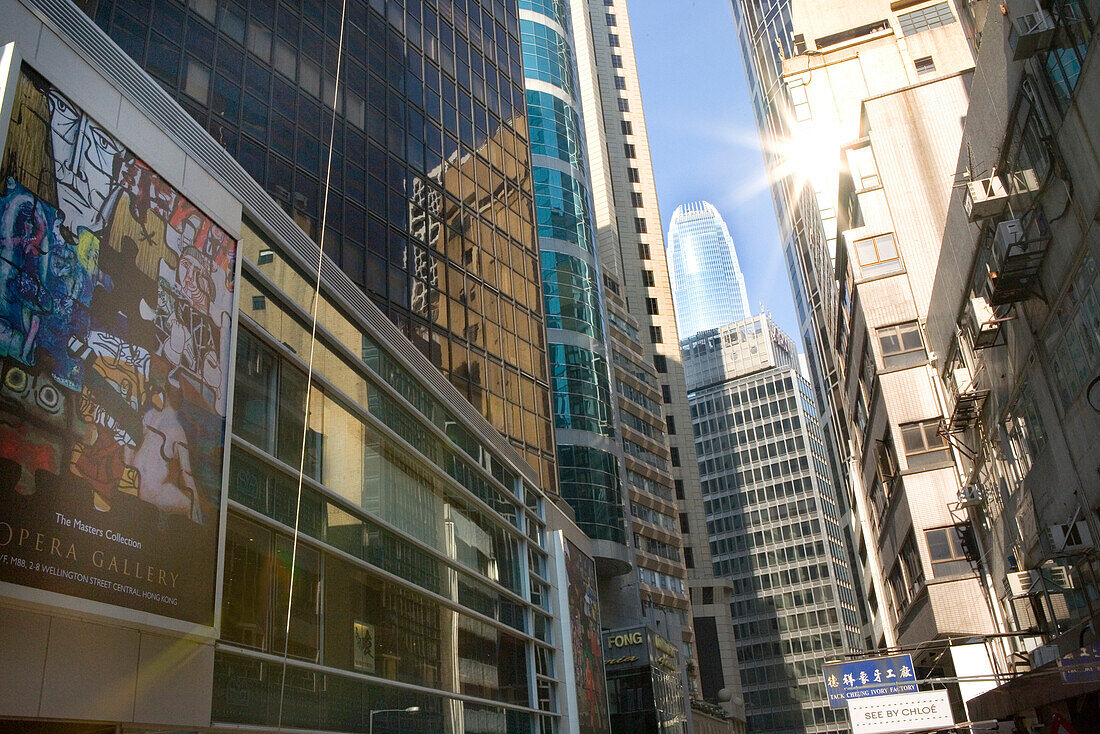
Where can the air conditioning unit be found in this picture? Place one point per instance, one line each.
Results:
(1031, 33)
(1019, 584)
(961, 377)
(986, 327)
(1042, 655)
(1009, 233)
(971, 495)
(1022, 183)
(1069, 537)
(1060, 577)
(985, 197)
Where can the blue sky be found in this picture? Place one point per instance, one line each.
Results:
(702, 135)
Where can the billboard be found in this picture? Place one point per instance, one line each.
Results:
(115, 320)
(584, 621)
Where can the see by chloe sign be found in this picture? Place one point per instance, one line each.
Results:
(625, 639)
(910, 712)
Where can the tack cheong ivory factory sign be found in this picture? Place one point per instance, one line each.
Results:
(910, 712)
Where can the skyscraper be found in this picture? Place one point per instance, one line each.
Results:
(773, 521)
(635, 272)
(706, 279)
(431, 204)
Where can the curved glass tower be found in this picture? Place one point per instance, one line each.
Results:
(707, 286)
(580, 379)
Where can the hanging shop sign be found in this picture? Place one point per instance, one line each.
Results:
(882, 676)
(910, 712)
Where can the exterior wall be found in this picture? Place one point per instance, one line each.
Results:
(419, 539)
(629, 225)
(415, 139)
(1031, 453)
(788, 568)
(706, 279)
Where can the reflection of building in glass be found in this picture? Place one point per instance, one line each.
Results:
(406, 571)
(706, 279)
(773, 521)
(431, 191)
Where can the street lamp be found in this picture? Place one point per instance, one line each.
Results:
(409, 710)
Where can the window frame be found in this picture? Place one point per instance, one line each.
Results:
(881, 266)
(928, 455)
(905, 356)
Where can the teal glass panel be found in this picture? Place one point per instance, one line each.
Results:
(546, 56)
(561, 204)
(554, 128)
(579, 384)
(589, 480)
(570, 294)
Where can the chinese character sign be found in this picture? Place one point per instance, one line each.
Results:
(883, 676)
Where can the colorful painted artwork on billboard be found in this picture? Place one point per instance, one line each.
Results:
(115, 319)
(584, 619)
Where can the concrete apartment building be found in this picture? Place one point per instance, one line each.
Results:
(889, 90)
(1014, 323)
(185, 546)
(632, 254)
(773, 521)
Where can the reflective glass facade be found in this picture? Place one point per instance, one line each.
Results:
(431, 210)
(706, 279)
(580, 377)
(412, 536)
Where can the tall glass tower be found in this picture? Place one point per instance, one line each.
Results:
(707, 284)
(580, 376)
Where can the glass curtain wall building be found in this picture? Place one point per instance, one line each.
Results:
(580, 378)
(707, 284)
(431, 209)
(773, 522)
(342, 544)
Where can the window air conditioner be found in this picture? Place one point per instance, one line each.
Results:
(1069, 537)
(1060, 577)
(1031, 33)
(1022, 182)
(985, 197)
(1019, 584)
(971, 495)
(986, 326)
(961, 377)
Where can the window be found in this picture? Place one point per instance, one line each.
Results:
(626, 127)
(616, 61)
(670, 423)
(643, 250)
(647, 279)
(620, 83)
(924, 65)
(630, 151)
(683, 522)
(666, 393)
(624, 106)
(660, 363)
(708, 595)
(948, 550)
(924, 446)
(609, 19)
(861, 162)
(636, 199)
(655, 334)
(675, 454)
(651, 306)
(689, 557)
(800, 103)
(925, 19)
(639, 225)
(632, 174)
(679, 488)
(901, 345)
(877, 256)
(197, 83)
(613, 40)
